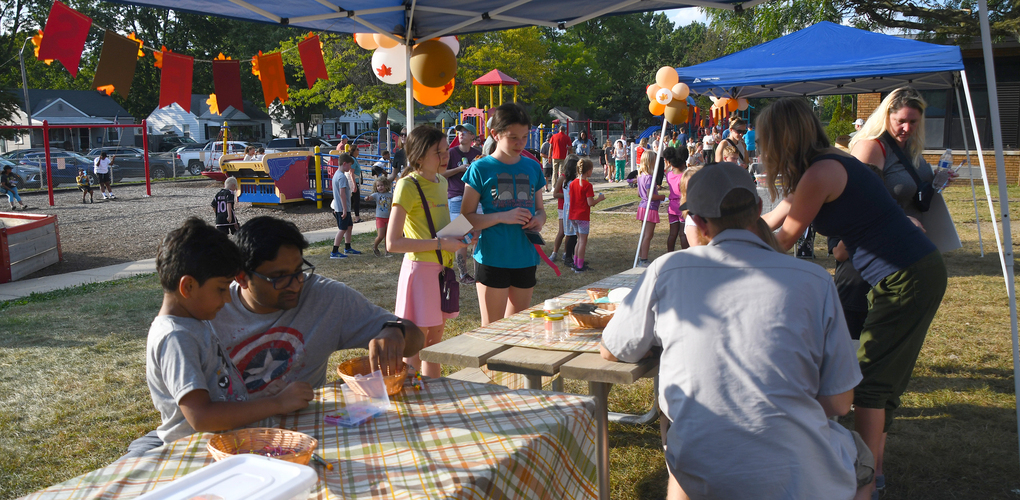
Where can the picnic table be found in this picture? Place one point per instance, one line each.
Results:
(506, 346)
(451, 439)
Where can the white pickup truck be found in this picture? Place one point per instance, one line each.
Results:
(208, 158)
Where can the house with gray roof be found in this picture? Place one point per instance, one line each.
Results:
(71, 107)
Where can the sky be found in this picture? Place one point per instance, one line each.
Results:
(683, 17)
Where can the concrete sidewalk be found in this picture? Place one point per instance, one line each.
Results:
(24, 288)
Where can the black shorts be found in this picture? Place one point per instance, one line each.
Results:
(85, 189)
(104, 178)
(343, 223)
(501, 277)
(547, 170)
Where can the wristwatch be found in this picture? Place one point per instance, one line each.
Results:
(397, 324)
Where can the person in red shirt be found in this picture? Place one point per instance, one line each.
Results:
(560, 144)
(582, 198)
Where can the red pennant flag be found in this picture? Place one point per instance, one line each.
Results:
(274, 85)
(64, 36)
(311, 59)
(175, 80)
(227, 82)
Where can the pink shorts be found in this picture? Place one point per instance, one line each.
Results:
(418, 294)
(653, 216)
(380, 222)
(675, 218)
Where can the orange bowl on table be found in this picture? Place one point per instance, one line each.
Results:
(281, 444)
(360, 366)
(597, 293)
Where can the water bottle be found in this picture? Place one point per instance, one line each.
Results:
(942, 171)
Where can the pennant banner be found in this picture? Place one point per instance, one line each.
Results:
(274, 85)
(117, 63)
(227, 82)
(175, 80)
(64, 36)
(311, 59)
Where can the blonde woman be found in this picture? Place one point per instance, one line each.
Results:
(843, 198)
(898, 122)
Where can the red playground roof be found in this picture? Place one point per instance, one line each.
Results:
(495, 77)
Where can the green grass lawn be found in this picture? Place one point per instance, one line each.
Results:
(73, 392)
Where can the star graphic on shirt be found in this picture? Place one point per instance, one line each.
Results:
(270, 365)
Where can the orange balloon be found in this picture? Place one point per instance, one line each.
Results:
(681, 90)
(731, 105)
(365, 41)
(651, 90)
(433, 63)
(655, 108)
(667, 77)
(384, 41)
(432, 96)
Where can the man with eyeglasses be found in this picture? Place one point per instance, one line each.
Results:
(738, 127)
(284, 321)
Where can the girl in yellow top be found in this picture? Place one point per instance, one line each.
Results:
(408, 232)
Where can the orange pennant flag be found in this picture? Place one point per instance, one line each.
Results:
(159, 56)
(106, 89)
(141, 53)
(213, 106)
(274, 84)
(37, 41)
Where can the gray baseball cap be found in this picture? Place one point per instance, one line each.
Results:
(707, 188)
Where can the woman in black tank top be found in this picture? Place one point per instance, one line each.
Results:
(908, 277)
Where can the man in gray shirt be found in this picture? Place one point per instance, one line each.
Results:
(755, 359)
(283, 321)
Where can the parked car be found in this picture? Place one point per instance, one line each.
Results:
(130, 163)
(63, 165)
(282, 144)
(18, 154)
(169, 142)
(208, 157)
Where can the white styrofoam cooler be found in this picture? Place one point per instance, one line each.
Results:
(241, 477)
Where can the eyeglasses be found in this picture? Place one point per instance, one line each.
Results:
(282, 282)
(744, 131)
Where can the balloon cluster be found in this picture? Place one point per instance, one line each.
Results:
(433, 64)
(729, 105)
(668, 96)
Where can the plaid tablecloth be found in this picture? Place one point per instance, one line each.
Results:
(515, 329)
(451, 439)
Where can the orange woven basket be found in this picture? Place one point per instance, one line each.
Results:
(597, 293)
(257, 440)
(592, 320)
(360, 366)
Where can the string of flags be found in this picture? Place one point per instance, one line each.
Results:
(66, 31)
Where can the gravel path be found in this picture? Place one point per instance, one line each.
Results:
(130, 228)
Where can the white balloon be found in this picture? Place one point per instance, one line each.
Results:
(390, 65)
(451, 41)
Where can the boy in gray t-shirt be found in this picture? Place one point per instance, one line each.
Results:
(192, 381)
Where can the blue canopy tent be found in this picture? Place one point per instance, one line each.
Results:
(826, 59)
(831, 59)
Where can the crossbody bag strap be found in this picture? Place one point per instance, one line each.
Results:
(428, 217)
(907, 164)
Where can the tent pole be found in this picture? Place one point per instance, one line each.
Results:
(1000, 169)
(409, 89)
(984, 174)
(651, 191)
(966, 148)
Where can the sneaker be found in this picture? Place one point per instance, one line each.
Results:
(553, 256)
(337, 255)
(377, 252)
(104, 196)
(467, 279)
(112, 197)
(643, 263)
(583, 269)
(351, 251)
(568, 263)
